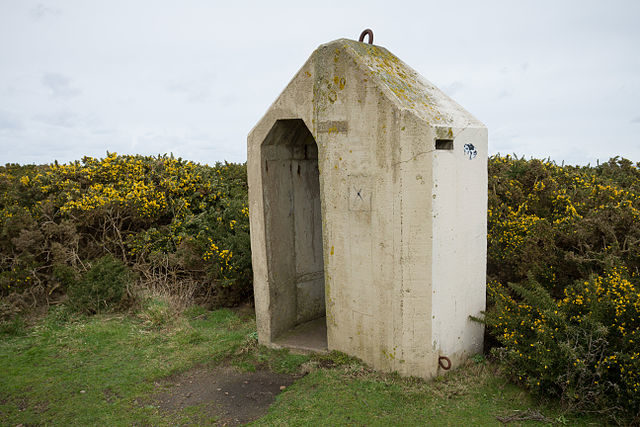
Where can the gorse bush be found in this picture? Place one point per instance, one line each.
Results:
(564, 280)
(561, 224)
(575, 349)
(104, 287)
(180, 225)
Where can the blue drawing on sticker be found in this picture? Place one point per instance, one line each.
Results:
(470, 150)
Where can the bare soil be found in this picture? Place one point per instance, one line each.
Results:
(224, 394)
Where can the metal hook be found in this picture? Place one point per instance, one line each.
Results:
(366, 32)
(442, 365)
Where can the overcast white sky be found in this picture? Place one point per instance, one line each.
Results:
(79, 77)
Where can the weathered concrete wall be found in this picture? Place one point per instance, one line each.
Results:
(459, 244)
(403, 223)
(357, 130)
(293, 224)
(275, 299)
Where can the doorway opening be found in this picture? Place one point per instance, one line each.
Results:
(293, 228)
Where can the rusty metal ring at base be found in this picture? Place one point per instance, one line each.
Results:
(442, 365)
(367, 32)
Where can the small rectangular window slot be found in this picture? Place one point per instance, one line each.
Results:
(444, 144)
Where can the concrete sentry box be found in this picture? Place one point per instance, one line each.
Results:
(368, 198)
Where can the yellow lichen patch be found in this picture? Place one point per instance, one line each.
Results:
(400, 81)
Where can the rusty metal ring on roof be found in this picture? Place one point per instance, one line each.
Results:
(367, 32)
(442, 365)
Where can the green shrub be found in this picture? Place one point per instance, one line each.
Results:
(179, 224)
(65, 275)
(575, 349)
(564, 280)
(104, 287)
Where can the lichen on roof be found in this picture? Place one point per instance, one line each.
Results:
(406, 87)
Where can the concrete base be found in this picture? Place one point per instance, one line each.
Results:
(305, 338)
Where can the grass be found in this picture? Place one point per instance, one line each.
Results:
(77, 370)
(352, 395)
(92, 370)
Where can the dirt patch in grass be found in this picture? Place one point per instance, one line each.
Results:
(222, 394)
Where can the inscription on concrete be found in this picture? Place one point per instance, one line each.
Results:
(333, 126)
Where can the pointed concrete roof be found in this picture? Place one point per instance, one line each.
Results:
(404, 87)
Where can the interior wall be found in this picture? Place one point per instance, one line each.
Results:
(293, 223)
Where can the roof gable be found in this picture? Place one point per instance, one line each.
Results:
(404, 87)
